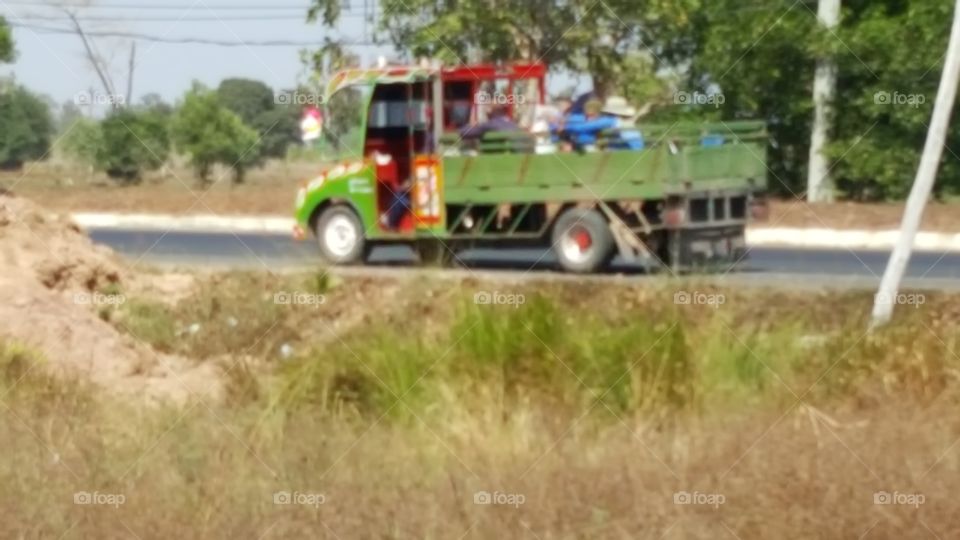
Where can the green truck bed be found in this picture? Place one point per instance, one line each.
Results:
(676, 158)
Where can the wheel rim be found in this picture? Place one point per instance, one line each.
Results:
(577, 244)
(340, 236)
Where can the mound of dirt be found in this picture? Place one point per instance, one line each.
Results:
(52, 281)
(52, 249)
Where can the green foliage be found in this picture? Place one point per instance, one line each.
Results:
(760, 56)
(7, 51)
(888, 84)
(763, 59)
(153, 102)
(132, 142)
(279, 128)
(210, 133)
(581, 35)
(255, 104)
(27, 126)
(248, 99)
(83, 140)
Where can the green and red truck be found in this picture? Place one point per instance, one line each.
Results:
(683, 200)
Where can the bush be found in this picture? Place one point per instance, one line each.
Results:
(132, 142)
(83, 140)
(27, 126)
(210, 133)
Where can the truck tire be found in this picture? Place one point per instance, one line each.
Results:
(340, 236)
(582, 240)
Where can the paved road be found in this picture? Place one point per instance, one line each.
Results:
(792, 267)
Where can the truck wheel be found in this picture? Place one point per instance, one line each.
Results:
(340, 236)
(582, 240)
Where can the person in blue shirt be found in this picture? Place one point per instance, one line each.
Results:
(583, 130)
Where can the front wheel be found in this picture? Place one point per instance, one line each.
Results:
(582, 240)
(340, 236)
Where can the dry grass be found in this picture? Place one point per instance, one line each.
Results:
(64, 188)
(596, 405)
(270, 191)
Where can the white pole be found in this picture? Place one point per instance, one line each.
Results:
(923, 184)
(819, 184)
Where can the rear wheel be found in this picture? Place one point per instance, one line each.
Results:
(340, 236)
(582, 240)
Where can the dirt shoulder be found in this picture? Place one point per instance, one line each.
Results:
(270, 191)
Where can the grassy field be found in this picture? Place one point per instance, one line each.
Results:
(270, 191)
(425, 410)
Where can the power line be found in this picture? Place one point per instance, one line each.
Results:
(196, 6)
(190, 40)
(110, 18)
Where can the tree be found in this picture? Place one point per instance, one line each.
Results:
(210, 133)
(7, 52)
(27, 126)
(886, 89)
(762, 57)
(131, 142)
(254, 102)
(582, 35)
(248, 99)
(278, 129)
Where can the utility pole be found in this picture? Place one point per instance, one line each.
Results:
(132, 67)
(819, 184)
(923, 184)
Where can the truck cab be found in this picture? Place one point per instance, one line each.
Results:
(402, 172)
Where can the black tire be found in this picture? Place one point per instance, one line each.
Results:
(582, 241)
(340, 236)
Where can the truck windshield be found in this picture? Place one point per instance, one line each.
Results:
(343, 135)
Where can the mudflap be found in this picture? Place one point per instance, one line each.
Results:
(709, 249)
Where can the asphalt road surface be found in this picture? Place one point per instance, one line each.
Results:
(796, 268)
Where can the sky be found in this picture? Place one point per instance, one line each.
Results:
(56, 65)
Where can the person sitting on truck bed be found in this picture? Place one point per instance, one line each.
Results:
(616, 114)
(499, 120)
